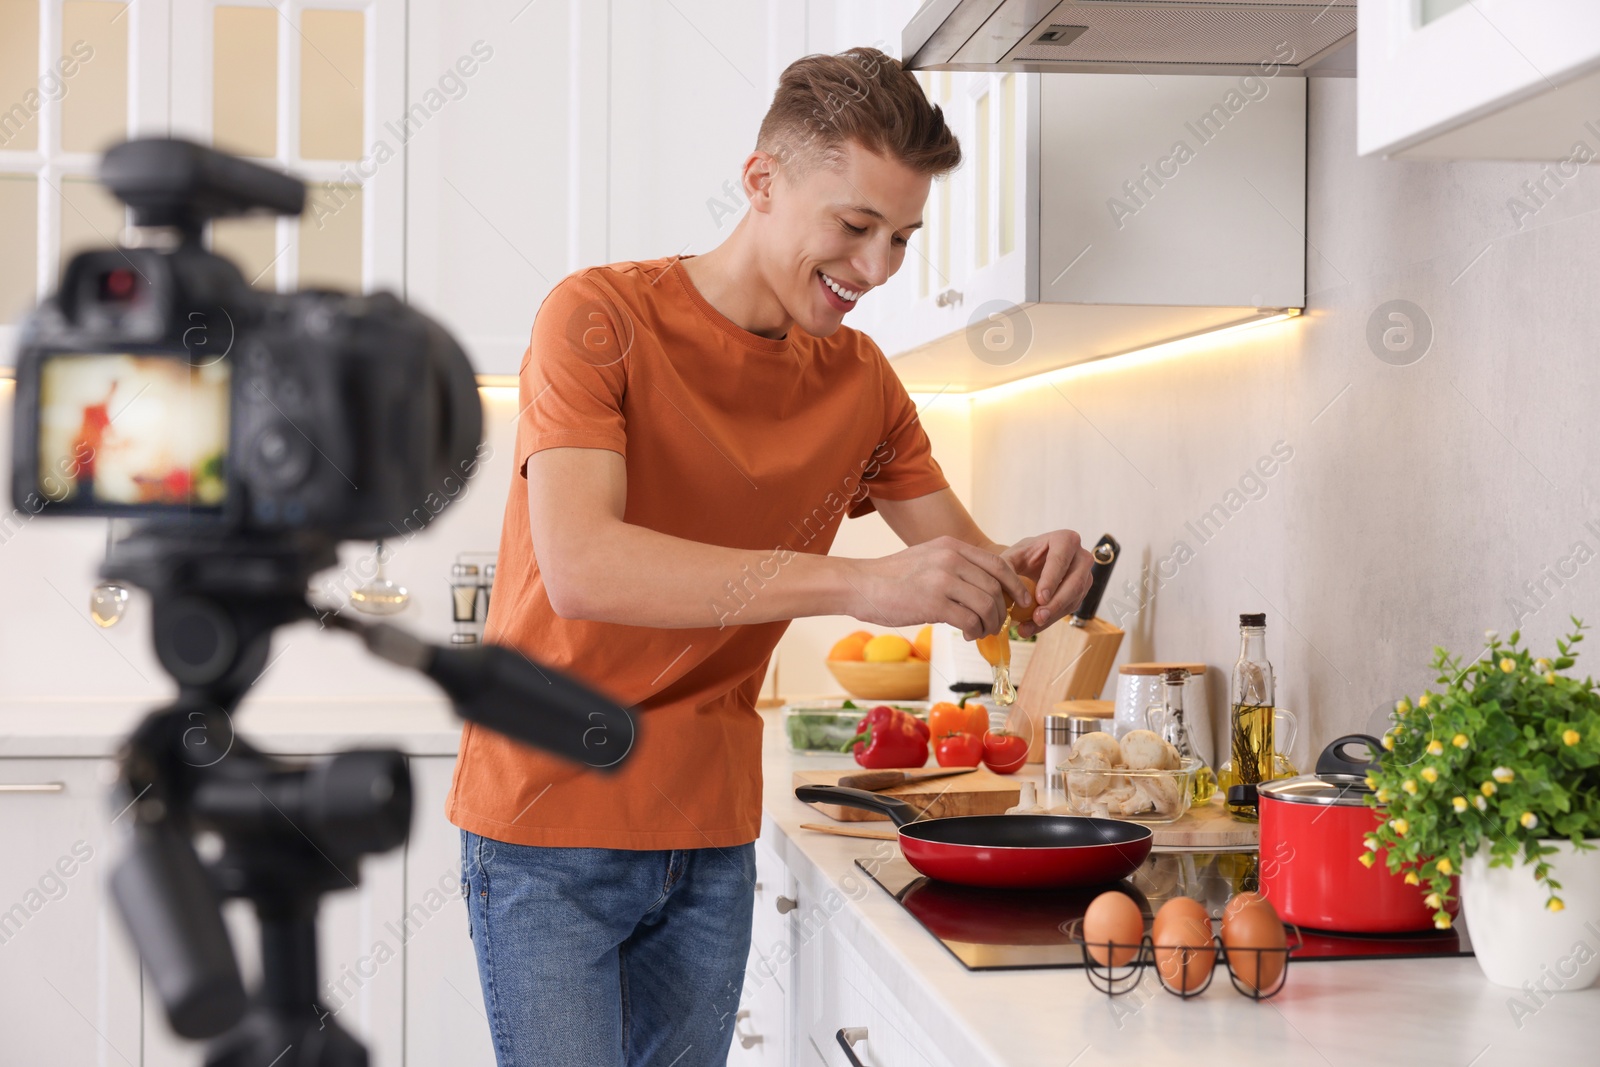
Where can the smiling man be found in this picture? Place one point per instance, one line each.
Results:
(692, 432)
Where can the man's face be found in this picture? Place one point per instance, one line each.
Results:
(847, 224)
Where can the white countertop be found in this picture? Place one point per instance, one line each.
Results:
(1412, 1012)
(309, 728)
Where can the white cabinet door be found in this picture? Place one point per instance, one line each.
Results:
(690, 83)
(69, 981)
(761, 1034)
(506, 176)
(445, 1020)
(1486, 79)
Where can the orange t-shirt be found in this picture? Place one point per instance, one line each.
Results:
(730, 439)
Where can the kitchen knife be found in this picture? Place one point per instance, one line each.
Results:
(872, 781)
(1105, 558)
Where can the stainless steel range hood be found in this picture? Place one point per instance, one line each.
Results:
(1295, 37)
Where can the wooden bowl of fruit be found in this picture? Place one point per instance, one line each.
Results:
(882, 666)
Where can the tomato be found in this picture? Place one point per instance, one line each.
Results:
(947, 718)
(1004, 752)
(959, 750)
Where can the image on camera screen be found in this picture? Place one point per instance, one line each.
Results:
(133, 430)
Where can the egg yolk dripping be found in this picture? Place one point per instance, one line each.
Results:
(995, 648)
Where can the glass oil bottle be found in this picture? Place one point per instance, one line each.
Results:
(1250, 719)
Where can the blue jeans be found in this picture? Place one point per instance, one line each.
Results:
(601, 957)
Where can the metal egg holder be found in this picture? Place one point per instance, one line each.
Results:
(1116, 979)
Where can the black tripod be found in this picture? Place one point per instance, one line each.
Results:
(288, 832)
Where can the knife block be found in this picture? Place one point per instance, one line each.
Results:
(1069, 663)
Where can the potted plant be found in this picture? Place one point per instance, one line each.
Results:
(1494, 776)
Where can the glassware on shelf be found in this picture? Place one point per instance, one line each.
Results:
(108, 601)
(380, 596)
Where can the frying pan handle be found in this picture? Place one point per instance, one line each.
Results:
(1335, 760)
(897, 809)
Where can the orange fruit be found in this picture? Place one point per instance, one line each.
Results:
(922, 644)
(850, 647)
(887, 648)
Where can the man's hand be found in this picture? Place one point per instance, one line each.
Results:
(1060, 564)
(942, 580)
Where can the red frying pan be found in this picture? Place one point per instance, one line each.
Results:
(1004, 851)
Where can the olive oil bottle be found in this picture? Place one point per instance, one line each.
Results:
(1250, 721)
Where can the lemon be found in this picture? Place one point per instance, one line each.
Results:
(887, 648)
(850, 647)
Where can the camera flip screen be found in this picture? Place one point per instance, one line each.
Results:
(121, 430)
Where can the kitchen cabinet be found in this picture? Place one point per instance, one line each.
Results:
(69, 981)
(761, 1025)
(1486, 79)
(444, 1015)
(837, 989)
(1094, 215)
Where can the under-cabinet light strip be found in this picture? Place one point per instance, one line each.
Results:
(1125, 360)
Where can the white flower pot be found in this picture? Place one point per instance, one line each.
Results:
(1518, 942)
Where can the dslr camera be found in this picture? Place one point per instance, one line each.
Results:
(157, 383)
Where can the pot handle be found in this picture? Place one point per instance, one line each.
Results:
(1335, 760)
(897, 810)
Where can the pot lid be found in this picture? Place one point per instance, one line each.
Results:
(1310, 789)
(1341, 778)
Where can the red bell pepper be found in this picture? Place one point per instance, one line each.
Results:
(888, 737)
(1003, 752)
(959, 750)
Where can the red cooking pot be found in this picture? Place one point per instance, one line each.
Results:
(1313, 831)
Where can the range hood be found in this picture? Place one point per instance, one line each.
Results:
(1302, 37)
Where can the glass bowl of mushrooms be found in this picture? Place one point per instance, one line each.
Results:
(1140, 778)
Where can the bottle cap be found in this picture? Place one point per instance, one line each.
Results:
(1256, 619)
(1242, 795)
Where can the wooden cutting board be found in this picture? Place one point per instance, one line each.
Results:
(1208, 826)
(980, 793)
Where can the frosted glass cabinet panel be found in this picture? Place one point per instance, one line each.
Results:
(94, 37)
(244, 80)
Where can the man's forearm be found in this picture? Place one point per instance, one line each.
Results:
(641, 577)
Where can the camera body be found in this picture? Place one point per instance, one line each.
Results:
(158, 384)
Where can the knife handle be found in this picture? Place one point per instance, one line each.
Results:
(872, 781)
(1105, 556)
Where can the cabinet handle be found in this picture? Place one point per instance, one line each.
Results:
(33, 787)
(747, 1039)
(786, 905)
(848, 1036)
(948, 298)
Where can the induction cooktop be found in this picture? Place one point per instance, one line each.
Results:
(1022, 929)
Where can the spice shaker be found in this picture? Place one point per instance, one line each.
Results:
(465, 597)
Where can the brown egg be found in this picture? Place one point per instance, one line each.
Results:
(1113, 919)
(1185, 953)
(1250, 922)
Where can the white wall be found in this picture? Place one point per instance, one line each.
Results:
(1419, 498)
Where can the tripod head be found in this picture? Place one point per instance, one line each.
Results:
(289, 832)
